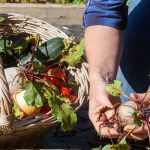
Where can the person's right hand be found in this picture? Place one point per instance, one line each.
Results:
(139, 133)
(98, 100)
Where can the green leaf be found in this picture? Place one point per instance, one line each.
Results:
(4, 46)
(65, 114)
(114, 88)
(50, 50)
(32, 94)
(75, 56)
(69, 117)
(137, 120)
(25, 58)
(122, 145)
(1, 45)
(38, 65)
(16, 111)
(2, 19)
(106, 147)
(61, 109)
(123, 141)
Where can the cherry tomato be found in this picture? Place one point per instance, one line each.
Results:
(66, 91)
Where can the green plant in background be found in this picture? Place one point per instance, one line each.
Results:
(78, 2)
(67, 1)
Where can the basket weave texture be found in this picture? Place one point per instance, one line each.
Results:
(30, 124)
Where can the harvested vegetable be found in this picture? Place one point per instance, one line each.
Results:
(23, 106)
(124, 114)
(39, 74)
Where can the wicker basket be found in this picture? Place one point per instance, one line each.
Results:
(30, 124)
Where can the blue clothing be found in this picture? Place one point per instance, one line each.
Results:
(133, 71)
(106, 12)
(135, 62)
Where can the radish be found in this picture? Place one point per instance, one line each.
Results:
(125, 112)
(24, 107)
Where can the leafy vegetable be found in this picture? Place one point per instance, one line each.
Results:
(50, 50)
(33, 95)
(41, 88)
(61, 109)
(38, 65)
(75, 54)
(3, 44)
(123, 145)
(25, 58)
(114, 88)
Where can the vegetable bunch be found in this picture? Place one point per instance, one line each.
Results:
(122, 115)
(47, 86)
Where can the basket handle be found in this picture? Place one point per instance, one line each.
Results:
(5, 102)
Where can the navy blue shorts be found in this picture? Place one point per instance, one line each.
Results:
(111, 13)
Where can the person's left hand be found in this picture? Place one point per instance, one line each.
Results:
(139, 133)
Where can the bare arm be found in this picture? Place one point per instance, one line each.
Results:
(103, 50)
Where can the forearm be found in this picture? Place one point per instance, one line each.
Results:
(103, 50)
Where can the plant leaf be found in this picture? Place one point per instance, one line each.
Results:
(75, 56)
(38, 65)
(114, 88)
(32, 95)
(50, 50)
(69, 117)
(2, 19)
(123, 145)
(106, 147)
(24, 59)
(16, 111)
(61, 109)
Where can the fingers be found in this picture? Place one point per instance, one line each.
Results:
(137, 133)
(137, 137)
(100, 128)
(108, 132)
(137, 96)
(140, 97)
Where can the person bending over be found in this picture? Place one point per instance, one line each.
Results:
(104, 22)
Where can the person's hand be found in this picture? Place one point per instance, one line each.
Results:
(98, 100)
(141, 98)
(139, 133)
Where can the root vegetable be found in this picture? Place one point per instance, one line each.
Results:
(20, 101)
(14, 79)
(125, 112)
(109, 113)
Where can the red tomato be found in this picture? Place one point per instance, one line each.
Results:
(65, 91)
(72, 98)
(57, 72)
(54, 81)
